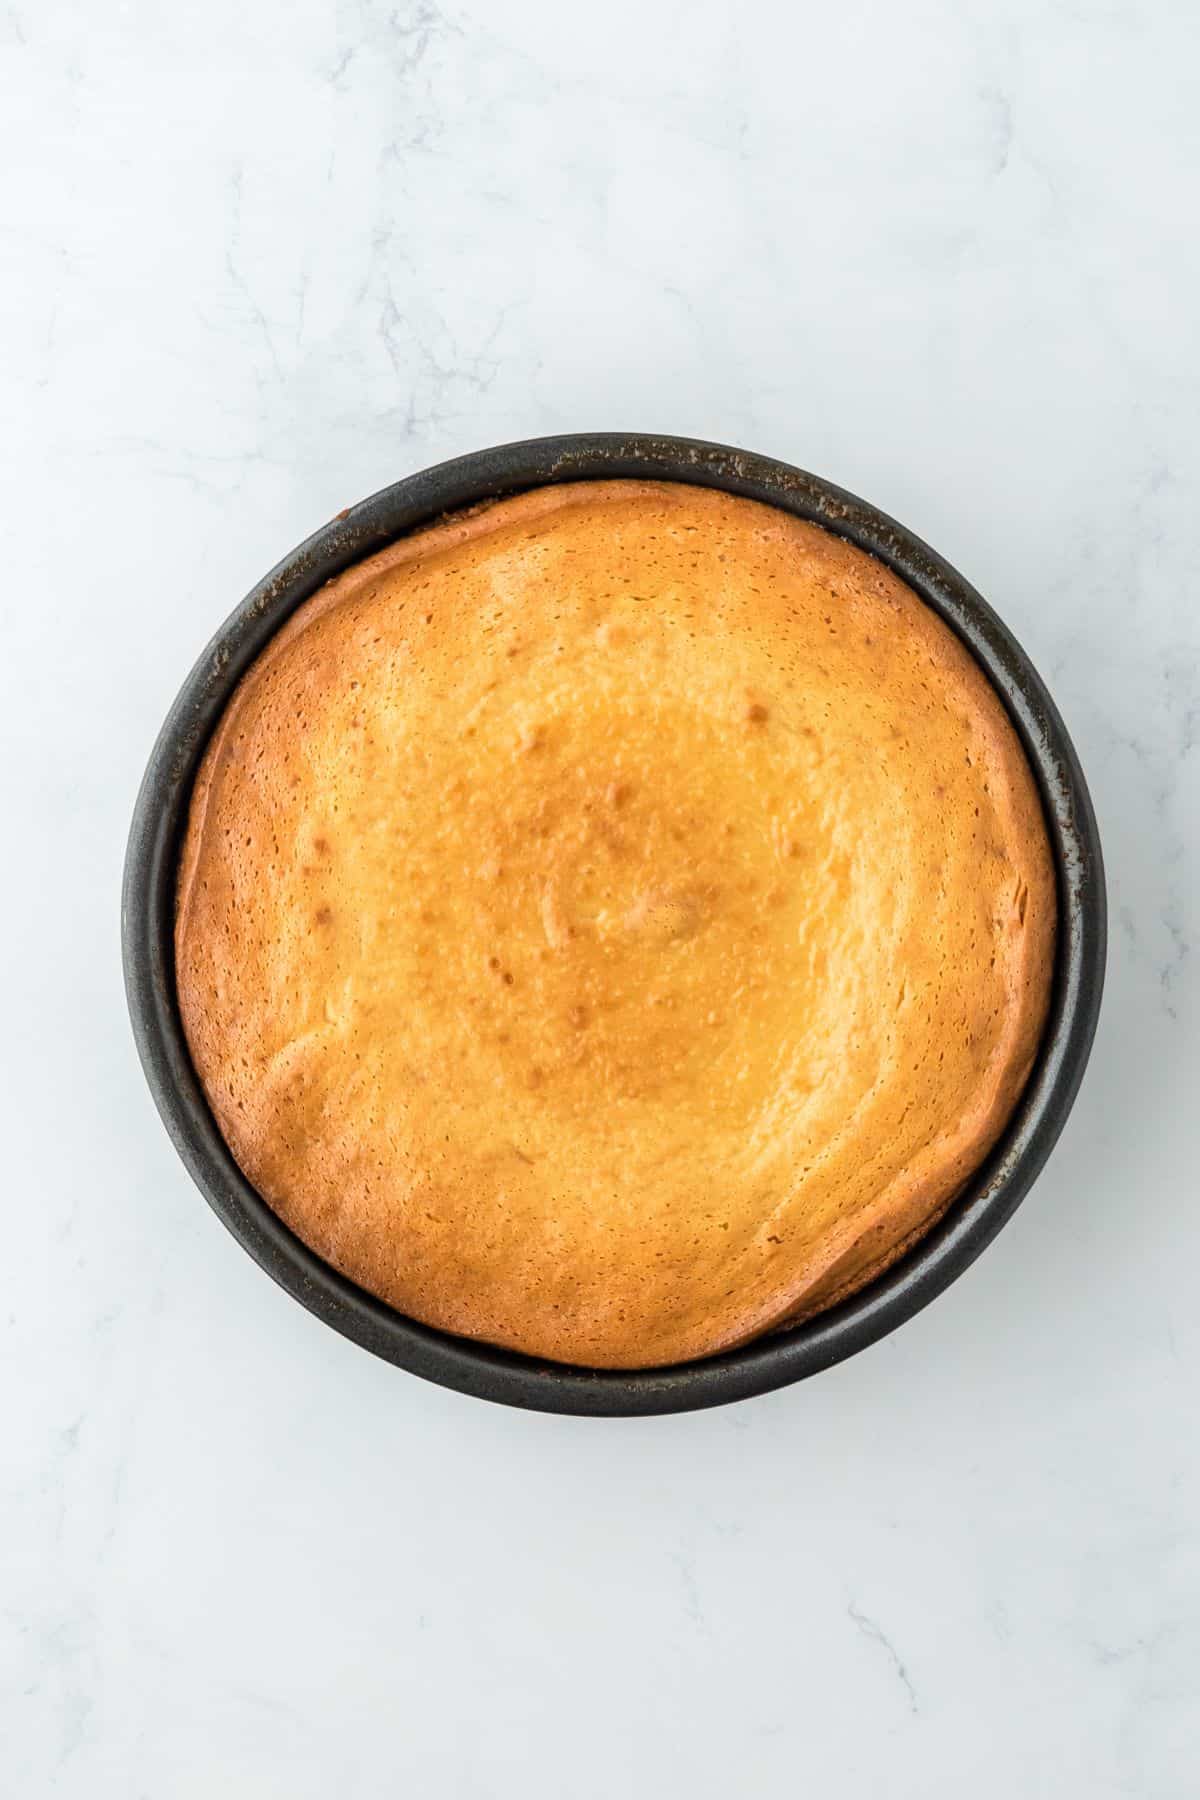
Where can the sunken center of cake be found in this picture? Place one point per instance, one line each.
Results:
(612, 900)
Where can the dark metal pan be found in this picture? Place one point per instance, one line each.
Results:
(147, 914)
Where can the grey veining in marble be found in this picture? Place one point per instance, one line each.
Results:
(257, 260)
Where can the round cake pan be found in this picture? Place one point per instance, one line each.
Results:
(148, 901)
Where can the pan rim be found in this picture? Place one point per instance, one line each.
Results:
(990, 1197)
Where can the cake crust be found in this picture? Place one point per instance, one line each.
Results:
(614, 922)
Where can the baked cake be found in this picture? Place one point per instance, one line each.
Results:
(614, 922)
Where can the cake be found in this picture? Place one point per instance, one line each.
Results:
(614, 922)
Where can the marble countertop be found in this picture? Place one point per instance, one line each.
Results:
(261, 259)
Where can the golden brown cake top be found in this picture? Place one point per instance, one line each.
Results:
(614, 922)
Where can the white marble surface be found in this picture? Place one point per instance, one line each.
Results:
(260, 259)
